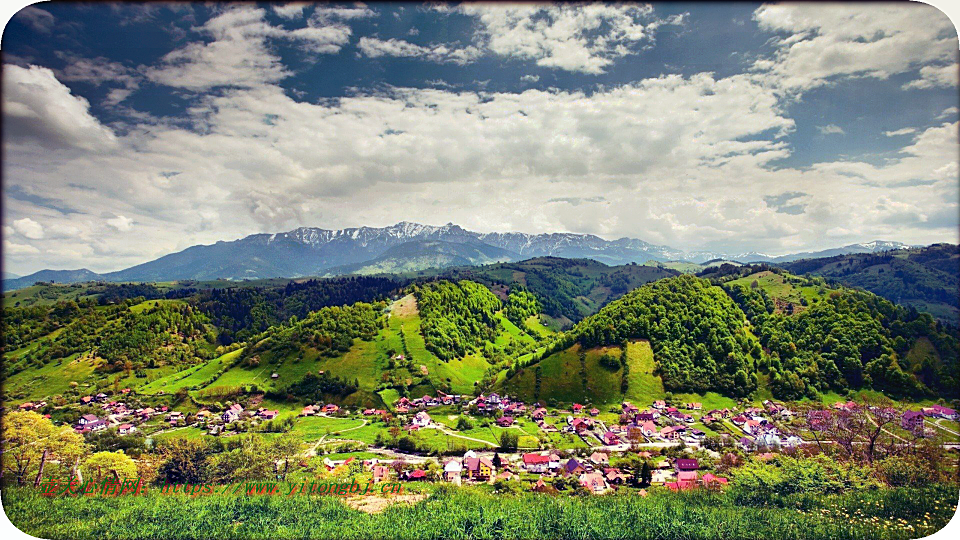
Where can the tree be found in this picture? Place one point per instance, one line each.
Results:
(508, 441)
(185, 461)
(105, 464)
(30, 439)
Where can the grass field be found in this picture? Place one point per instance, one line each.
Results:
(470, 513)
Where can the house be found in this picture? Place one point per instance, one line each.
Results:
(536, 463)
(659, 404)
(415, 475)
(125, 429)
(542, 487)
(478, 468)
(268, 414)
(670, 433)
(87, 419)
(688, 476)
(505, 421)
(594, 411)
(330, 408)
(577, 407)
(687, 464)
(27, 406)
(309, 410)
(944, 412)
(539, 413)
(695, 406)
(421, 419)
(912, 420)
(452, 470)
(573, 467)
(594, 482)
(615, 477)
(86, 400)
(599, 458)
(647, 416)
(610, 438)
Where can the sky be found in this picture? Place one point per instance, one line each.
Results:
(136, 130)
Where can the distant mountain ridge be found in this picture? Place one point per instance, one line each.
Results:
(311, 251)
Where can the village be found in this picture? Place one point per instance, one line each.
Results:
(679, 446)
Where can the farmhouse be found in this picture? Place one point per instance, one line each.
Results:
(536, 463)
(912, 420)
(478, 468)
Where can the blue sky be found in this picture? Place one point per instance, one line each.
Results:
(135, 130)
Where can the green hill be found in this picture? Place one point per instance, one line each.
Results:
(924, 278)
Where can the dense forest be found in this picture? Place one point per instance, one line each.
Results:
(242, 312)
(849, 339)
(330, 331)
(457, 318)
(697, 333)
(567, 289)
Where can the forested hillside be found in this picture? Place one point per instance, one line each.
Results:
(841, 338)
(457, 317)
(698, 334)
(738, 331)
(567, 289)
(925, 278)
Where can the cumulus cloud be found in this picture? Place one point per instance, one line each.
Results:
(28, 228)
(936, 76)
(238, 54)
(16, 249)
(583, 38)
(816, 46)
(375, 48)
(120, 223)
(39, 108)
(292, 10)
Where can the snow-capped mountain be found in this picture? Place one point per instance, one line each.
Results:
(311, 251)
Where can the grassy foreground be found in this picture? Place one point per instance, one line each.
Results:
(462, 513)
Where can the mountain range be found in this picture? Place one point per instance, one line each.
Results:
(310, 251)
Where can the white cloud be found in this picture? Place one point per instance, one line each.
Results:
(99, 71)
(821, 42)
(375, 48)
(28, 228)
(39, 108)
(898, 132)
(15, 249)
(948, 112)
(936, 76)
(292, 10)
(530, 78)
(38, 19)
(239, 55)
(830, 129)
(359, 11)
(585, 38)
(121, 223)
